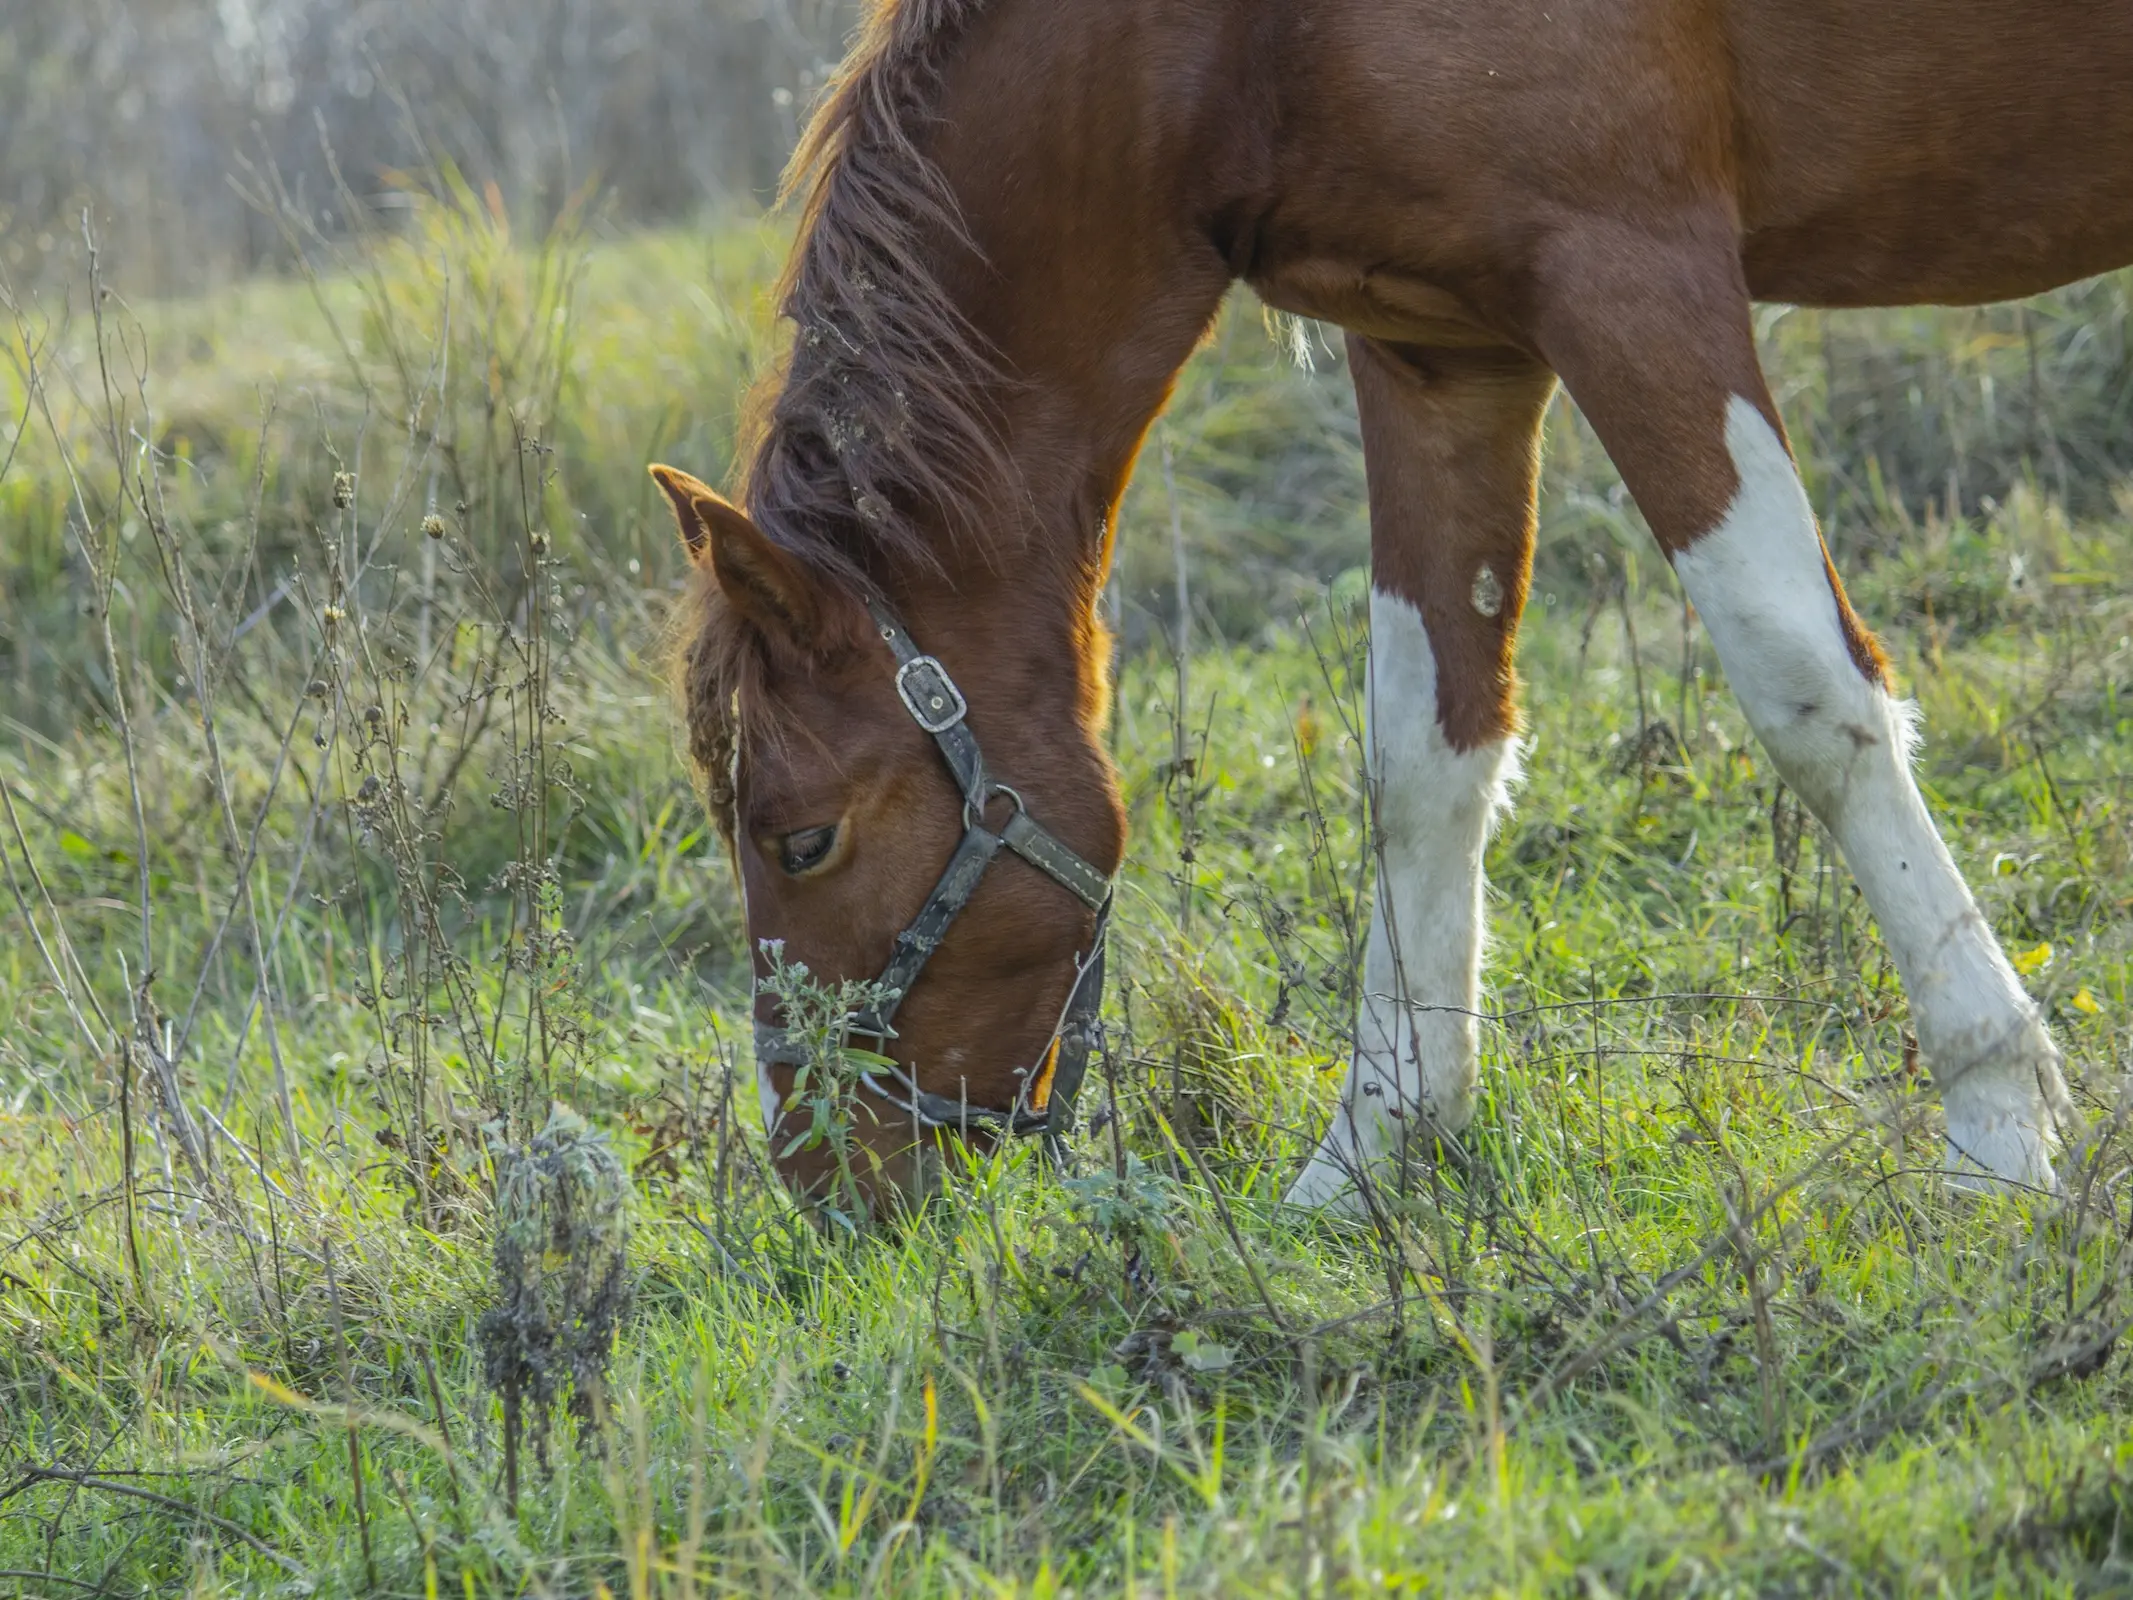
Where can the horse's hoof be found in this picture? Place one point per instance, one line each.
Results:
(1328, 1187)
(2003, 1119)
(2000, 1148)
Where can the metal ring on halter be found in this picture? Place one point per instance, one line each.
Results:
(974, 815)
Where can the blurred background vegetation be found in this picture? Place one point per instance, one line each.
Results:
(169, 119)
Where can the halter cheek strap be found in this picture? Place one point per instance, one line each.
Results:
(1045, 1102)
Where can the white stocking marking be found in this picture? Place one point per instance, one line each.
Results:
(1415, 1034)
(1759, 582)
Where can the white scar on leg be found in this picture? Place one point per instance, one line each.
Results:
(1759, 581)
(1414, 1060)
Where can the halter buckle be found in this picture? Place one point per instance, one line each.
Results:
(857, 1026)
(930, 695)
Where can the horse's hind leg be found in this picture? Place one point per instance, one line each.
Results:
(1652, 336)
(1450, 442)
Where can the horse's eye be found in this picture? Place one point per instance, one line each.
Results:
(802, 852)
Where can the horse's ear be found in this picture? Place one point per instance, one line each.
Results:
(683, 490)
(760, 580)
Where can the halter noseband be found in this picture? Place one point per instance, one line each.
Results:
(1044, 1104)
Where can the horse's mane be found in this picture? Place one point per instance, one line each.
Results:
(878, 413)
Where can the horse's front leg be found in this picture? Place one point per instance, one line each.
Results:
(1450, 444)
(1651, 333)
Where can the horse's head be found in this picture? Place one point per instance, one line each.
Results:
(841, 771)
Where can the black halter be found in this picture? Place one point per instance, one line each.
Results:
(1044, 1103)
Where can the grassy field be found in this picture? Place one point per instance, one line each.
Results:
(345, 833)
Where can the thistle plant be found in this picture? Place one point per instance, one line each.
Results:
(562, 1280)
(817, 1017)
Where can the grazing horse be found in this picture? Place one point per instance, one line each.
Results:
(1020, 217)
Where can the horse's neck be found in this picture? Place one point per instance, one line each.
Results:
(1084, 278)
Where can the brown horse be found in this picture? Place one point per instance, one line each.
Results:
(1021, 216)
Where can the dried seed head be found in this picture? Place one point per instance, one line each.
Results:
(433, 526)
(539, 540)
(561, 1260)
(344, 490)
(333, 616)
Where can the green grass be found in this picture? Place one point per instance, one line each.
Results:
(1689, 1313)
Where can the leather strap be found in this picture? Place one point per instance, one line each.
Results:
(915, 945)
(1043, 851)
(1076, 1037)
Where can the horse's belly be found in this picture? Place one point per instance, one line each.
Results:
(1955, 243)
(1897, 151)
